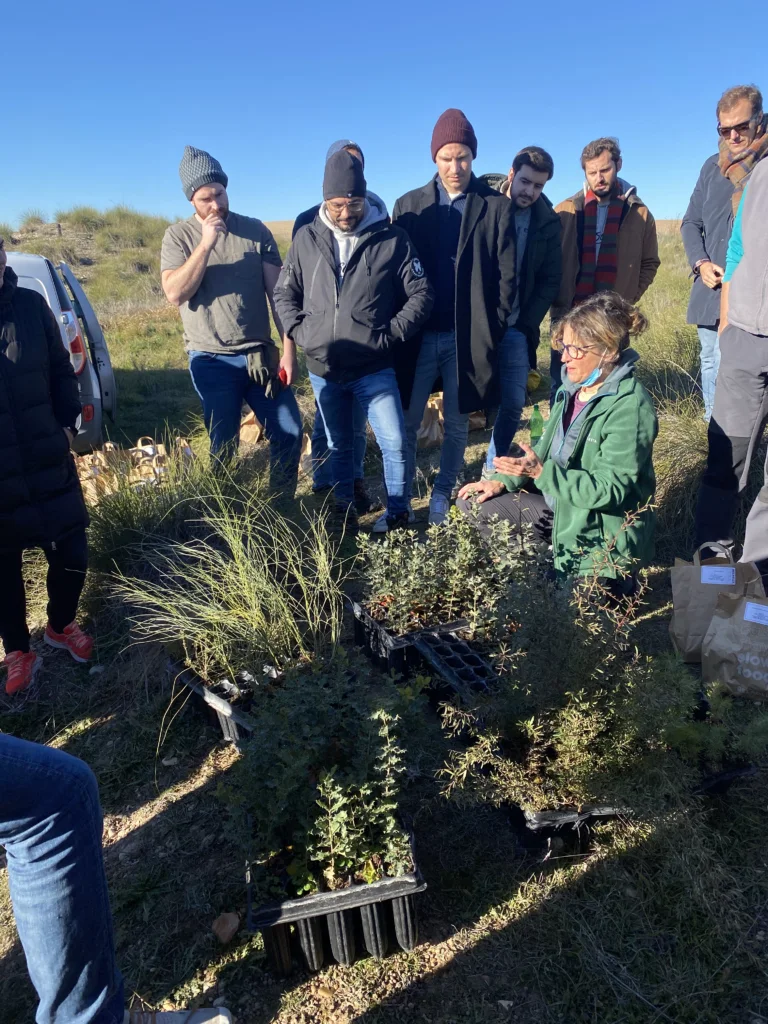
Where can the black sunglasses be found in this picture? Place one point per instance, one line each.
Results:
(724, 131)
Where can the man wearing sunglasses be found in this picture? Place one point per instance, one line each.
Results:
(741, 395)
(708, 220)
(351, 290)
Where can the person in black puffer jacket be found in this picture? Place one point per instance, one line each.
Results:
(41, 502)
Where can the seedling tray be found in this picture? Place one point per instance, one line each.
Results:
(235, 725)
(454, 661)
(330, 925)
(392, 653)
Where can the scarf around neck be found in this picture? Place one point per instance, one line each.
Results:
(597, 273)
(738, 167)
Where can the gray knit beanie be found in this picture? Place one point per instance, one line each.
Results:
(198, 168)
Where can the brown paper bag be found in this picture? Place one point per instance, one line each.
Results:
(735, 649)
(305, 459)
(431, 431)
(696, 587)
(251, 430)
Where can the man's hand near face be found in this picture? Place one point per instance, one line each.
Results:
(213, 226)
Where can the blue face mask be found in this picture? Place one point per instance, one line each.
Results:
(592, 378)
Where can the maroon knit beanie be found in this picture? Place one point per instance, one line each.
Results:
(453, 126)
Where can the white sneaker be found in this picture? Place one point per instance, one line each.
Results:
(380, 526)
(214, 1016)
(438, 509)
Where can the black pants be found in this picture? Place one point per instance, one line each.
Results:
(67, 565)
(518, 508)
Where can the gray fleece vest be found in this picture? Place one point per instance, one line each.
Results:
(748, 301)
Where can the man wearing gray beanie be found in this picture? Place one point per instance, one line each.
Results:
(220, 268)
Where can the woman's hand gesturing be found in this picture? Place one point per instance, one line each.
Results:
(528, 465)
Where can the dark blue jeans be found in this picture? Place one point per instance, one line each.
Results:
(322, 476)
(513, 379)
(223, 384)
(50, 826)
(379, 397)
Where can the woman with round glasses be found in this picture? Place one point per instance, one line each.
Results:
(586, 488)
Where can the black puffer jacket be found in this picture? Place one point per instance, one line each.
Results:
(40, 496)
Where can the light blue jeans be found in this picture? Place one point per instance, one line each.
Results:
(378, 396)
(50, 826)
(513, 378)
(437, 358)
(710, 363)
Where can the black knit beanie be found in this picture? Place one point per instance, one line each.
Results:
(344, 177)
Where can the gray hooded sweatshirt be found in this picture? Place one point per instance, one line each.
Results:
(345, 242)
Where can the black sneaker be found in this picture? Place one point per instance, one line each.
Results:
(364, 503)
(397, 522)
(345, 519)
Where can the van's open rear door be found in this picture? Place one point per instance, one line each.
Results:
(96, 342)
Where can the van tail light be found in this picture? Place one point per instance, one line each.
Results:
(73, 340)
(87, 413)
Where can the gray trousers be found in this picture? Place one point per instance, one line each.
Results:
(738, 418)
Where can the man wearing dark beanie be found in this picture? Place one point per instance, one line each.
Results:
(464, 232)
(322, 478)
(220, 268)
(351, 293)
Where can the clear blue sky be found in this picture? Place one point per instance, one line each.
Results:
(99, 98)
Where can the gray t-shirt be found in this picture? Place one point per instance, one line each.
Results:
(522, 227)
(228, 312)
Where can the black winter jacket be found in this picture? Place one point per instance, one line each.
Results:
(485, 285)
(706, 229)
(540, 273)
(40, 496)
(349, 331)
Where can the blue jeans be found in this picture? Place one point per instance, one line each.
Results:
(710, 364)
(50, 826)
(322, 477)
(222, 383)
(513, 377)
(437, 358)
(378, 397)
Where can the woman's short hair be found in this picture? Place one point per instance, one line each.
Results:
(604, 322)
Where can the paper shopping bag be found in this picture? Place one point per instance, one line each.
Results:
(431, 431)
(735, 649)
(696, 587)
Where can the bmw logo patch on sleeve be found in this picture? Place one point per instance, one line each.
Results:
(416, 267)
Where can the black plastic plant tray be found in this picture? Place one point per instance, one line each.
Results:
(454, 661)
(330, 925)
(235, 725)
(392, 653)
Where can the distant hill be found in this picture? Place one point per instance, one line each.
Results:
(114, 253)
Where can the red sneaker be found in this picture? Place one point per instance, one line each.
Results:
(73, 639)
(22, 667)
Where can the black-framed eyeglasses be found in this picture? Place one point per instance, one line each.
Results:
(724, 131)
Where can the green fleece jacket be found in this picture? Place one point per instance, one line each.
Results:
(596, 472)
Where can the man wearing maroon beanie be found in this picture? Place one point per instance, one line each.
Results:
(463, 231)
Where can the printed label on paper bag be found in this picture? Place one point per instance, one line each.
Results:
(756, 613)
(722, 574)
